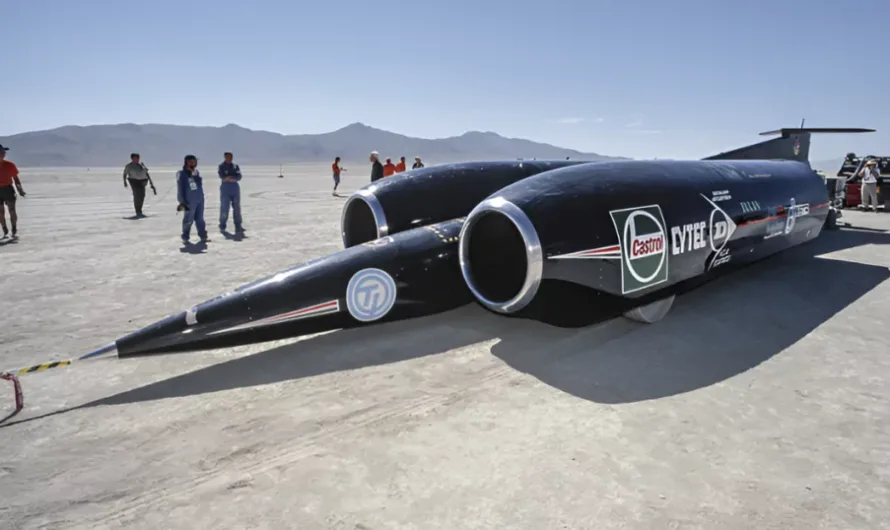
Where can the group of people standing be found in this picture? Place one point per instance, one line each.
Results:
(190, 193)
(190, 189)
(378, 170)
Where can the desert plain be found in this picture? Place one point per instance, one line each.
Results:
(761, 401)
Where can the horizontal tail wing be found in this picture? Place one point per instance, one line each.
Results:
(792, 144)
(818, 130)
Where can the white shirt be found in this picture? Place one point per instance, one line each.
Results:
(870, 176)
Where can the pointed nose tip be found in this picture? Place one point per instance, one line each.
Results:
(108, 349)
(162, 333)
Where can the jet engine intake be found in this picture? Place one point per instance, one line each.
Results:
(362, 219)
(500, 256)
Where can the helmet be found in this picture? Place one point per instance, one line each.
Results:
(190, 157)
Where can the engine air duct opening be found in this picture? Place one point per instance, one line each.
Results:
(500, 256)
(363, 219)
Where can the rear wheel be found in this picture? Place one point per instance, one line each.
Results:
(652, 312)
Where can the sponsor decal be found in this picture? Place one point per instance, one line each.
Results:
(642, 248)
(714, 234)
(781, 220)
(643, 241)
(750, 206)
(325, 308)
(370, 295)
(720, 258)
(720, 230)
(795, 211)
(796, 146)
(719, 196)
(688, 237)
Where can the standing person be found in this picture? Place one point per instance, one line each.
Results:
(137, 174)
(401, 165)
(190, 194)
(9, 176)
(229, 193)
(389, 169)
(417, 163)
(336, 169)
(869, 191)
(376, 166)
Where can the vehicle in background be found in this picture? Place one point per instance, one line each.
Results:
(849, 171)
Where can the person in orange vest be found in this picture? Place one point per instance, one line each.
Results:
(336, 169)
(389, 169)
(401, 165)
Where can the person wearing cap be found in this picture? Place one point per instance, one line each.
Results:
(869, 190)
(190, 194)
(137, 174)
(417, 163)
(229, 193)
(9, 184)
(376, 166)
(401, 165)
(389, 169)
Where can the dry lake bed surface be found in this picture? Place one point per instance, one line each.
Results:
(762, 401)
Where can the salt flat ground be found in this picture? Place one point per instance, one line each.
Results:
(762, 401)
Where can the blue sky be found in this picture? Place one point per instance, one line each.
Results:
(679, 78)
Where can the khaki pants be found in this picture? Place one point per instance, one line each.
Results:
(870, 193)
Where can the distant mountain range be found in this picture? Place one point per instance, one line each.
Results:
(111, 145)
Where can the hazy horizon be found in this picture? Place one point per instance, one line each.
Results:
(687, 80)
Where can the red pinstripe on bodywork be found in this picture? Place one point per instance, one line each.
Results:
(332, 306)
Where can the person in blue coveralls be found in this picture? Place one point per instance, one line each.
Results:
(190, 194)
(229, 193)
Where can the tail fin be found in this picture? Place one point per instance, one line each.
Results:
(793, 144)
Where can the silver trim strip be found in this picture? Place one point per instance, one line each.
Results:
(367, 196)
(533, 253)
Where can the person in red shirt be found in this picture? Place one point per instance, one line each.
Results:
(9, 176)
(389, 169)
(401, 165)
(336, 169)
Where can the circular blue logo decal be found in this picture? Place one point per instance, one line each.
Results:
(370, 295)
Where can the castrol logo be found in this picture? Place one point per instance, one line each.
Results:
(643, 247)
(646, 246)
